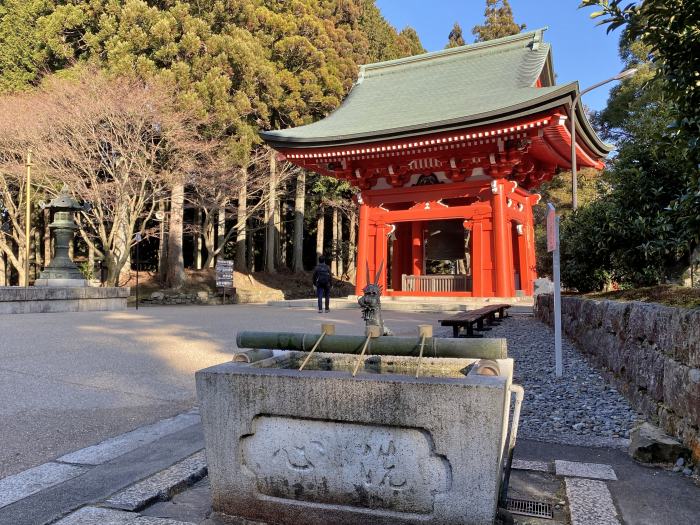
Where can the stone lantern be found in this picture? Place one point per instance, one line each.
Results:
(62, 271)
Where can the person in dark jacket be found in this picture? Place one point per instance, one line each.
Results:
(322, 281)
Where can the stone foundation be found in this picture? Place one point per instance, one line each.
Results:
(650, 352)
(48, 299)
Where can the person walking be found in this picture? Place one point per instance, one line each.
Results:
(322, 281)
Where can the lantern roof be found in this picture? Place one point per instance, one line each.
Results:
(473, 85)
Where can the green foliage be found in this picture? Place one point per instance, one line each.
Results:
(87, 269)
(21, 55)
(455, 38)
(640, 232)
(499, 22)
(671, 31)
(586, 240)
(248, 64)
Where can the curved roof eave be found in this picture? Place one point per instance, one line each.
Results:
(557, 98)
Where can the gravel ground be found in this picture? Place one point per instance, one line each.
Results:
(581, 408)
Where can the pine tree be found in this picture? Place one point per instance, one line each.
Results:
(498, 22)
(455, 38)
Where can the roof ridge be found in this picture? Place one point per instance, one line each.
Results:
(535, 37)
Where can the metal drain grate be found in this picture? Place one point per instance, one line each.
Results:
(529, 507)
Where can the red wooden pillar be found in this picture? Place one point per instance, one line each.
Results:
(523, 259)
(529, 232)
(362, 258)
(380, 255)
(396, 260)
(477, 259)
(502, 236)
(417, 251)
(417, 247)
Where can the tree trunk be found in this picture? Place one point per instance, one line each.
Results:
(197, 244)
(47, 237)
(91, 260)
(250, 250)
(175, 276)
(209, 239)
(341, 266)
(334, 242)
(281, 234)
(298, 245)
(163, 244)
(3, 270)
(352, 240)
(37, 252)
(221, 233)
(241, 213)
(319, 233)
(271, 208)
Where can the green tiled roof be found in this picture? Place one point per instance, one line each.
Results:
(474, 84)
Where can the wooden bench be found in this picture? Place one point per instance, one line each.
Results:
(492, 314)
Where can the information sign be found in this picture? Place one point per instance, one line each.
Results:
(224, 274)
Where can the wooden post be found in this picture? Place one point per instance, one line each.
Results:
(477, 259)
(396, 263)
(362, 255)
(417, 252)
(28, 219)
(380, 254)
(501, 237)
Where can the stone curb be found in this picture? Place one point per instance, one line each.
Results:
(590, 502)
(101, 516)
(161, 486)
(584, 470)
(30, 491)
(19, 486)
(119, 445)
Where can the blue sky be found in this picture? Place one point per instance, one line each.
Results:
(582, 51)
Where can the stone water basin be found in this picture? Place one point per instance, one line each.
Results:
(384, 447)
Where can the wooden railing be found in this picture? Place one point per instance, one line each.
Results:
(435, 283)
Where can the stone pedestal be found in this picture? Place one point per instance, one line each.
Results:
(319, 446)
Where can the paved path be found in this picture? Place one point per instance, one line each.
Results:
(68, 380)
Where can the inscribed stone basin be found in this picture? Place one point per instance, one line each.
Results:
(320, 446)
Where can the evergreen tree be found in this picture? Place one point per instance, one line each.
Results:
(21, 53)
(241, 65)
(498, 22)
(455, 38)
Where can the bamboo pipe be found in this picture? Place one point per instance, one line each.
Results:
(487, 348)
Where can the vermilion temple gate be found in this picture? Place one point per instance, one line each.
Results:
(446, 148)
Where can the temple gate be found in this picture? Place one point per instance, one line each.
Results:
(446, 149)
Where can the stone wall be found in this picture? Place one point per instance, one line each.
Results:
(48, 299)
(650, 352)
